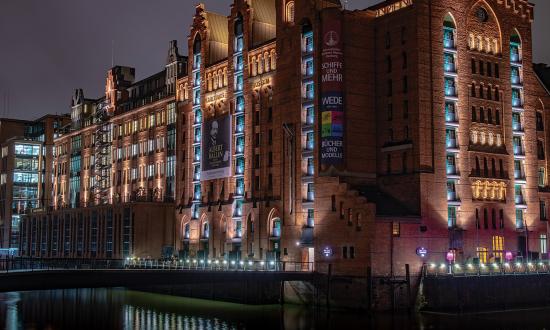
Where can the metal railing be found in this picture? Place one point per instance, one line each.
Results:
(29, 264)
(220, 265)
(487, 269)
(22, 264)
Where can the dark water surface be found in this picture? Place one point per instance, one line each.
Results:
(125, 309)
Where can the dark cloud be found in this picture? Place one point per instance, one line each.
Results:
(51, 47)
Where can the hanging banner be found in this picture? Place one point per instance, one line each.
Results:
(216, 148)
(332, 91)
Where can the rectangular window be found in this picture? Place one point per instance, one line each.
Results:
(543, 244)
(542, 207)
(498, 246)
(451, 216)
(482, 254)
(519, 219)
(396, 229)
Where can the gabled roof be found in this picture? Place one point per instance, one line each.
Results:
(217, 25)
(264, 11)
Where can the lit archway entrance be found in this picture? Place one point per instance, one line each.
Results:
(274, 252)
(204, 244)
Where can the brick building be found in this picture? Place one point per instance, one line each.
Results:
(25, 171)
(305, 132)
(113, 171)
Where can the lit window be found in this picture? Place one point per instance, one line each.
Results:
(543, 244)
(289, 12)
(482, 254)
(498, 246)
(396, 229)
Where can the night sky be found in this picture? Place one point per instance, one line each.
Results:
(49, 48)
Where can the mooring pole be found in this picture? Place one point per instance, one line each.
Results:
(408, 279)
(328, 285)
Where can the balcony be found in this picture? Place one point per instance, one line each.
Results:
(514, 54)
(308, 95)
(239, 168)
(451, 143)
(517, 129)
(198, 118)
(517, 103)
(310, 170)
(239, 149)
(239, 66)
(240, 106)
(452, 170)
(239, 128)
(450, 91)
(310, 197)
(449, 67)
(238, 211)
(519, 200)
(239, 190)
(276, 232)
(451, 118)
(310, 117)
(310, 221)
(310, 144)
(197, 155)
(452, 196)
(197, 176)
(197, 138)
(519, 177)
(448, 40)
(518, 151)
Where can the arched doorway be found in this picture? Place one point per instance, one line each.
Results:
(250, 231)
(204, 239)
(185, 233)
(275, 229)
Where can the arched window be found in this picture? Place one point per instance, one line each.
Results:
(197, 45)
(276, 229)
(289, 12)
(205, 230)
(186, 231)
(239, 25)
(515, 46)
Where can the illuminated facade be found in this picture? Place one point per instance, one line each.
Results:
(113, 171)
(300, 131)
(25, 171)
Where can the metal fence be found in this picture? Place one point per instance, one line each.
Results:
(487, 269)
(221, 265)
(22, 264)
(31, 264)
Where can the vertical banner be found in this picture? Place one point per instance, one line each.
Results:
(216, 148)
(332, 90)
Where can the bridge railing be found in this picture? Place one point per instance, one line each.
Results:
(487, 269)
(220, 265)
(32, 264)
(13, 264)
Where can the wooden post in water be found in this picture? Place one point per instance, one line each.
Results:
(282, 293)
(328, 285)
(408, 279)
(369, 288)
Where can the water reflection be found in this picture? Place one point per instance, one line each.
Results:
(126, 309)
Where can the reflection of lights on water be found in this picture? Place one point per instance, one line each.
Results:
(145, 318)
